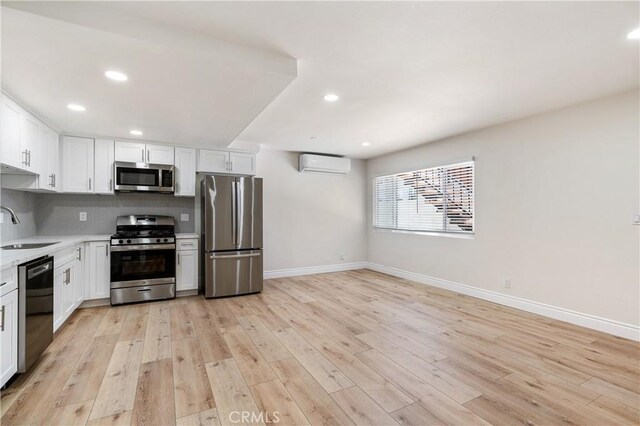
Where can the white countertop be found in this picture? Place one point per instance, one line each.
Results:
(17, 257)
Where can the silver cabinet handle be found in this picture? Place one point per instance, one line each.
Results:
(54, 180)
(2, 325)
(148, 157)
(230, 166)
(79, 254)
(67, 279)
(4, 283)
(111, 184)
(234, 256)
(106, 252)
(178, 258)
(24, 162)
(89, 184)
(29, 157)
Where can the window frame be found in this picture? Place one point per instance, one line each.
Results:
(442, 233)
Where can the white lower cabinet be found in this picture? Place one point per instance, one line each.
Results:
(68, 284)
(99, 257)
(8, 336)
(187, 265)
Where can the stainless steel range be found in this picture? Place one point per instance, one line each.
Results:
(143, 259)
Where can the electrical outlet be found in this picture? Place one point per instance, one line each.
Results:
(184, 217)
(507, 283)
(341, 256)
(636, 219)
(83, 216)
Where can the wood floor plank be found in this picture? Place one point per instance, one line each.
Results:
(327, 374)
(440, 380)
(362, 409)
(203, 418)
(627, 397)
(84, 383)
(443, 407)
(621, 413)
(135, 324)
(181, 323)
(415, 415)
(255, 369)
(385, 394)
(265, 341)
(120, 419)
(192, 389)
(316, 404)
(112, 321)
(118, 389)
(73, 414)
(230, 391)
(276, 404)
(154, 404)
(157, 339)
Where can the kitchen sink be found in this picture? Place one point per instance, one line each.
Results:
(27, 246)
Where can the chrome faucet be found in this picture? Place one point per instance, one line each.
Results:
(14, 217)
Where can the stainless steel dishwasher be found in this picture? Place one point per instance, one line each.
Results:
(35, 310)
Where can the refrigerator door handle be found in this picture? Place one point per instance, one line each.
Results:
(234, 212)
(234, 256)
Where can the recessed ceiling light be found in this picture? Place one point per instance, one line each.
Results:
(634, 35)
(136, 132)
(76, 107)
(331, 97)
(365, 144)
(116, 75)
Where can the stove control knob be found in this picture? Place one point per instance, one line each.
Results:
(157, 240)
(120, 241)
(165, 240)
(128, 241)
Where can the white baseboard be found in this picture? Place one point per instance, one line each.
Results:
(616, 328)
(309, 270)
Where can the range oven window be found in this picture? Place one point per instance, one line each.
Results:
(142, 265)
(137, 177)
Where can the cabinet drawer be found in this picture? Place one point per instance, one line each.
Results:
(187, 244)
(8, 280)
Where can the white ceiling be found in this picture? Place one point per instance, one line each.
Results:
(407, 72)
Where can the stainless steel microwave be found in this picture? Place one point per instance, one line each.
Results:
(144, 177)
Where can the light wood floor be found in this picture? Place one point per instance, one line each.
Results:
(343, 348)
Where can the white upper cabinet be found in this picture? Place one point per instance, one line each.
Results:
(131, 152)
(135, 152)
(185, 168)
(103, 173)
(160, 154)
(242, 163)
(19, 137)
(12, 156)
(52, 160)
(29, 128)
(212, 161)
(77, 165)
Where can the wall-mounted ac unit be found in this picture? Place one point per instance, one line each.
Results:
(323, 164)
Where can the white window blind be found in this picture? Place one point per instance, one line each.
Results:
(437, 199)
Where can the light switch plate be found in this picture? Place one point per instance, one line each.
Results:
(83, 216)
(184, 217)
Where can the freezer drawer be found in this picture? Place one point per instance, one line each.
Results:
(231, 273)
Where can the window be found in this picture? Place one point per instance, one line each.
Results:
(438, 199)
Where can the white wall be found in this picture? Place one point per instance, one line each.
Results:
(555, 199)
(311, 218)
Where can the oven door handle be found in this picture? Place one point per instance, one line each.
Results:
(139, 247)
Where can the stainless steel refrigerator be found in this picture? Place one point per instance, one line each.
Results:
(231, 235)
